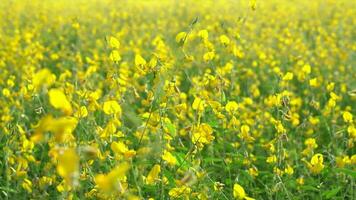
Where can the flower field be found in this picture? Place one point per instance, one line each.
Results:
(177, 99)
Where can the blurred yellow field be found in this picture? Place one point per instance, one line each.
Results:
(177, 99)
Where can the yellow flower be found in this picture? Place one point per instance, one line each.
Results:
(245, 133)
(181, 37)
(59, 101)
(313, 82)
(253, 4)
(27, 185)
(153, 175)
(300, 181)
(68, 166)
(289, 170)
(112, 107)
(347, 116)
(209, 56)
(231, 107)
(44, 77)
(239, 193)
(288, 76)
(114, 43)
(224, 40)
(82, 112)
(203, 134)
(179, 192)
(62, 128)
(271, 159)
(198, 104)
(115, 56)
(311, 143)
(121, 149)
(341, 161)
(111, 182)
(203, 34)
(140, 61)
(306, 69)
(169, 158)
(316, 164)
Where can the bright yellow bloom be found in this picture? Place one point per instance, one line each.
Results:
(289, 170)
(111, 182)
(231, 107)
(203, 34)
(198, 104)
(82, 112)
(180, 192)
(169, 158)
(316, 164)
(112, 107)
(239, 193)
(44, 77)
(114, 43)
(224, 40)
(347, 116)
(140, 61)
(59, 101)
(209, 56)
(288, 76)
(61, 128)
(115, 56)
(181, 37)
(203, 134)
(121, 149)
(153, 175)
(68, 166)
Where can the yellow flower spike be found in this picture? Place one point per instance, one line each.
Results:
(231, 107)
(306, 69)
(316, 164)
(224, 40)
(253, 4)
(347, 116)
(239, 193)
(121, 149)
(27, 185)
(203, 134)
(111, 183)
(140, 61)
(288, 76)
(44, 77)
(58, 100)
(198, 104)
(180, 192)
(68, 166)
(112, 107)
(61, 128)
(289, 170)
(153, 175)
(181, 37)
(114, 43)
(115, 56)
(271, 159)
(203, 34)
(169, 158)
(82, 112)
(209, 56)
(313, 82)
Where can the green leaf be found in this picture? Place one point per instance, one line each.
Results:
(347, 171)
(331, 193)
(309, 188)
